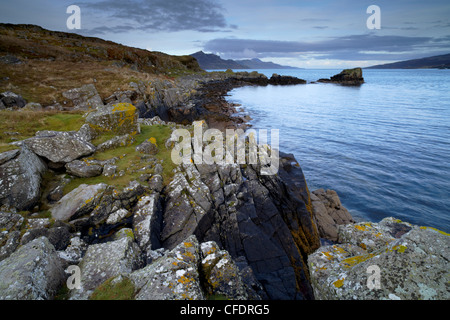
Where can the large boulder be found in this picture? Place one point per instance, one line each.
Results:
(84, 98)
(120, 118)
(387, 260)
(105, 260)
(78, 202)
(59, 147)
(83, 169)
(10, 99)
(20, 178)
(33, 272)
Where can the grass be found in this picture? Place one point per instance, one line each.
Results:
(45, 81)
(19, 125)
(111, 290)
(130, 161)
(53, 62)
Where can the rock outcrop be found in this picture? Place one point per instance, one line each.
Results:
(33, 272)
(20, 178)
(84, 98)
(193, 271)
(329, 213)
(351, 77)
(60, 147)
(80, 200)
(120, 118)
(105, 260)
(265, 219)
(386, 260)
(276, 79)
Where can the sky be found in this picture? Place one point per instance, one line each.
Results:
(307, 34)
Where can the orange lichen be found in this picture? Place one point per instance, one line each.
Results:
(339, 283)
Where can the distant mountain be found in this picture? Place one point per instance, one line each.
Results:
(258, 64)
(212, 61)
(440, 62)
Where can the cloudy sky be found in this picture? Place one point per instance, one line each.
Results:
(309, 34)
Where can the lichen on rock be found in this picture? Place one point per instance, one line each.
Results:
(120, 118)
(412, 260)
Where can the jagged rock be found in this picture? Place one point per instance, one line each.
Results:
(78, 201)
(172, 277)
(187, 270)
(111, 205)
(85, 133)
(82, 169)
(372, 236)
(74, 252)
(412, 262)
(8, 155)
(59, 147)
(105, 260)
(12, 100)
(121, 118)
(147, 147)
(116, 142)
(329, 213)
(147, 222)
(109, 170)
(58, 235)
(266, 219)
(34, 223)
(122, 97)
(10, 224)
(156, 183)
(20, 179)
(54, 189)
(116, 216)
(33, 272)
(84, 98)
(221, 273)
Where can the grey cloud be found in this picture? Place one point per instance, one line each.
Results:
(160, 15)
(334, 48)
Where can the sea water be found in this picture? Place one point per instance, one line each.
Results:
(383, 146)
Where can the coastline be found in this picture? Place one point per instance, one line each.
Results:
(105, 198)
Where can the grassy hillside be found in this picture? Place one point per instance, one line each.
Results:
(40, 64)
(439, 62)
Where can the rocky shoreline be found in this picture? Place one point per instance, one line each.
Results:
(202, 232)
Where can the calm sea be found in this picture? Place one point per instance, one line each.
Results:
(383, 146)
